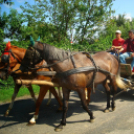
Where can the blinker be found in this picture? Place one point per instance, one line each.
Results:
(5, 58)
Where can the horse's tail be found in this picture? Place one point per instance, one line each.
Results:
(119, 81)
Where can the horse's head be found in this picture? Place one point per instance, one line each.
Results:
(10, 57)
(32, 55)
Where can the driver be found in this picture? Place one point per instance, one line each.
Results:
(117, 42)
(129, 48)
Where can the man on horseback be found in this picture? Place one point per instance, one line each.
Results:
(129, 48)
(118, 42)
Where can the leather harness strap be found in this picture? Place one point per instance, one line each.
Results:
(72, 59)
(94, 72)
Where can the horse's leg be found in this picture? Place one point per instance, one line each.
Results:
(114, 87)
(16, 90)
(42, 93)
(86, 94)
(107, 88)
(66, 93)
(89, 90)
(53, 91)
(81, 93)
(32, 93)
(59, 92)
(49, 100)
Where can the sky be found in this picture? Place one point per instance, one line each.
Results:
(120, 6)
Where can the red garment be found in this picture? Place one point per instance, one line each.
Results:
(118, 42)
(129, 45)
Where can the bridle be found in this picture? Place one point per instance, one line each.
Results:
(7, 68)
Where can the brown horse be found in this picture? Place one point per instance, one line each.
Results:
(14, 65)
(60, 61)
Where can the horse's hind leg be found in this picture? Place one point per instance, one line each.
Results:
(66, 94)
(107, 88)
(49, 100)
(89, 90)
(16, 90)
(114, 87)
(59, 92)
(84, 103)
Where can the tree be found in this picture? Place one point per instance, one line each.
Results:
(61, 14)
(8, 2)
(14, 24)
(3, 24)
(92, 14)
(120, 20)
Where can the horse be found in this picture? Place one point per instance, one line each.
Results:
(14, 64)
(62, 61)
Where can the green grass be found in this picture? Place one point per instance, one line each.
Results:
(6, 93)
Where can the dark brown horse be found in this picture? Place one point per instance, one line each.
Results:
(61, 62)
(7, 68)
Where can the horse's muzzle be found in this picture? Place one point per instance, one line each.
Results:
(3, 75)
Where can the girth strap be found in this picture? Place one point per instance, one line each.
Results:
(94, 72)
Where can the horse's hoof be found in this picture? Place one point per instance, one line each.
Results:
(113, 109)
(59, 128)
(31, 124)
(106, 111)
(91, 120)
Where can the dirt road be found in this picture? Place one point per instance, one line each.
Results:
(121, 121)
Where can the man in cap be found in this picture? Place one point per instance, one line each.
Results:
(129, 48)
(118, 42)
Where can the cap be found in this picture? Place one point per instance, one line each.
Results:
(131, 31)
(118, 31)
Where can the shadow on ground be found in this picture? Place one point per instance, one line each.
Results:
(23, 109)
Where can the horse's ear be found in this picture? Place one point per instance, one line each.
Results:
(32, 41)
(38, 39)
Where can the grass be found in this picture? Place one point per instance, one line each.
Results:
(6, 93)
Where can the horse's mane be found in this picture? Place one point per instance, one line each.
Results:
(14, 46)
(53, 53)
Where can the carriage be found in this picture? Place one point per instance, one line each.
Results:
(126, 72)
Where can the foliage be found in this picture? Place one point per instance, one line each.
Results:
(55, 21)
(8, 2)
(3, 24)
(6, 84)
(6, 93)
